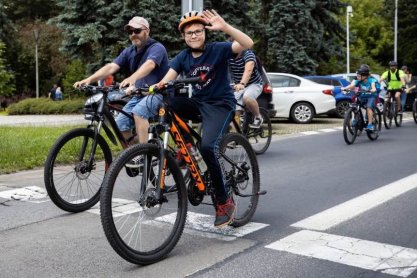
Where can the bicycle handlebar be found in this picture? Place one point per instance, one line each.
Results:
(178, 84)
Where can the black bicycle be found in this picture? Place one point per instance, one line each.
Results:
(390, 110)
(355, 122)
(259, 138)
(143, 216)
(76, 164)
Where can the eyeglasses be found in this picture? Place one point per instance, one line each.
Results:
(196, 32)
(136, 31)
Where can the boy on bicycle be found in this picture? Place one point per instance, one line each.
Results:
(396, 83)
(369, 89)
(213, 98)
(146, 62)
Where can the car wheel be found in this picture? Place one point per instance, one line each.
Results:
(341, 108)
(302, 113)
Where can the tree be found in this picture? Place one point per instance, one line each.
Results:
(371, 40)
(6, 77)
(94, 29)
(407, 28)
(75, 72)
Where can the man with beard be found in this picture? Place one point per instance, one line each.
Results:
(146, 62)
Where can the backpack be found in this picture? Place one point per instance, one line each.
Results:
(397, 74)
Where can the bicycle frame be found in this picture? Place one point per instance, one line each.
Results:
(98, 120)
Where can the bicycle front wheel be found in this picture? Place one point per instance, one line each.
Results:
(387, 114)
(72, 184)
(373, 135)
(141, 227)
(398, 117)
(350, 126)
(242, 174)
(259, 138)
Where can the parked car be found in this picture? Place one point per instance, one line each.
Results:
(300, 99)
(342, 100)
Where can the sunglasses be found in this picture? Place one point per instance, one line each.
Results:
(136, 31)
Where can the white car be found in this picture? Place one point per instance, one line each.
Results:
(300, 99)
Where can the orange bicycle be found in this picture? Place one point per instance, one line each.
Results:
(143, 216)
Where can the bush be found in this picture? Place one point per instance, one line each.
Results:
(46, 106)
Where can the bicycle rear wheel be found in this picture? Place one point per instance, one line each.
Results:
(373, 135)
(242, 174)
(259, 138)
(141, 228)
(350, 126)
(71, 183)
(415, 111)
(387, 114)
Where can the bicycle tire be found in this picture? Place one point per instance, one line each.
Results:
(236, 147)
(387, 114)
(70, 185)
(350, 130)
(398, 118)
(124, 219)
(373, 135)
(259, 138)
(415, 111)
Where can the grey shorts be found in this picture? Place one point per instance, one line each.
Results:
(251, 91)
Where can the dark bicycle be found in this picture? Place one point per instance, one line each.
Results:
(259, 138)
(355, 122)
(390, 110)
(143, 216)
(76, 164)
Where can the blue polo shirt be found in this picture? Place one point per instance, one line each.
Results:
(212, 67)
(132, 58)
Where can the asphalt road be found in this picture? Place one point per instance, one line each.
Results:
(306, 174)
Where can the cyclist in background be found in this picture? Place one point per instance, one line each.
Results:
(212, 97)
(146, 62)
(369, 89)
(408, 77)
(247, 84)
(396, 83)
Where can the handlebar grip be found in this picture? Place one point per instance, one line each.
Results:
(190, 80)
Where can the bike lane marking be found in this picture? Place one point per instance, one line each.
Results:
(375, 256)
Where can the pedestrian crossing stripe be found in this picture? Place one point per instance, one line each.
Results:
(375, 256)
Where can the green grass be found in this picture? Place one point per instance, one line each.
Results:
(23, 148)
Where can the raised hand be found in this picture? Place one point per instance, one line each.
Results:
(217, 23)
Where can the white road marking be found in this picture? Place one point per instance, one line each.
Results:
(309, 132)
(33, 194)
(197, 223)
(327, 130)
(352, 208)
(390, 259)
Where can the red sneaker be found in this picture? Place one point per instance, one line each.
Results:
(225, 213)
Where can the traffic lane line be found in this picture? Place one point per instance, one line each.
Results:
(389, 259)
(333, 216)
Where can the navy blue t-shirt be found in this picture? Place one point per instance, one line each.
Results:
(212, 67)
(131, 59)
